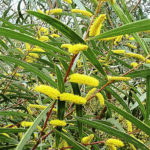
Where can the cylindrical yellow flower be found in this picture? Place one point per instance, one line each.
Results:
(34, 55)
(91, 92)
(58, 122)
(26, 124)
(110, 78)
(138, 56)
(87, 139)
(68, 1)
(131, 46)
(30, 111)
(129, 125)
(66, 45)
(119, 51)
(54, 11)
(55, 35)
(83, 79)
(114, 142)
(38, 49)
(118, 39)
(131, 38)
(48, 90)
(74, 49)
(112, 147)
(28, 47)
(72, 98)
(148, 61)
(134, 64)
(97, 25)
(37, 106)
(44, 38)
(83, 12)
(40, 11)
(100, 98)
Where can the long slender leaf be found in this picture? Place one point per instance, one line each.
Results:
(9, 130)
(29, 68)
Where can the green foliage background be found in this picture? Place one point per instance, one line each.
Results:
(123, 100)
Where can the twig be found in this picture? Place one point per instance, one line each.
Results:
(45, 124)
(20, 102)
(135, 6)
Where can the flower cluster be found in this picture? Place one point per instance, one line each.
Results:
(58, 122)
(76, 48)
(83, 79)
(97, 25)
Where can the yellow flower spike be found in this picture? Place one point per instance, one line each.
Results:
(127, 36)
(48, 90)
(134, 64)
(20, 50)
(38, 49)
(114, 142)
(131, 46)
(40, 11)
(29, 59)
(83, 12)
(30, 111)
(112, 147)
(116, 78)
(131, 38)
(54, 11)
(118, 51)
(29, 124)
(28, 48)
(37, 106)
(97, 25)
(44, 38)
(100, 98)
(87, 139)
(148, 61)
(58, 122)
(74, 49)
(34, 55)
(66, 45)
(138, 56)
(83, 79)
(72, 98)
(55, 35)
(118, 39)
(68, 1)
(26, 124)
(90, 93)
(129, 125)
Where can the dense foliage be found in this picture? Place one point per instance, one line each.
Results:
(74, 74)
